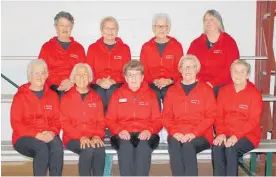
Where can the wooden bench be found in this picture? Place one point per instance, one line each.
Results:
(267, 147)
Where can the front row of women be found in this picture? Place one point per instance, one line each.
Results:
(133, 117)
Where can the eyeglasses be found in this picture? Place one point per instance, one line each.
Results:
(82, 75)
(37, 73)
(131, 75)
(109, 29)
(240, 73)
(186, 68)
(161, 26)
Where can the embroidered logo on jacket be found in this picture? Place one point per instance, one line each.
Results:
(169, 57)
(195, 101)
(74, 56)
(243, 106)
(117, 57)
(92, 105)
(217, 51)
(48, 107)
(143, 103)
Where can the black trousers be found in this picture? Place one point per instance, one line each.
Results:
(134, 161)
(60, 93)
(183, 159)
(44, 154)
(225, 159)
(105, 94)
(160, 93)
(90, 159)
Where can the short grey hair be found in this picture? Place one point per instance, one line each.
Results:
(64, 14)
(241, 62)
(109, 18)
(73, 73)
(161, 16)
(217, 15)
(37, 62)
(133, 65)
(189, 57)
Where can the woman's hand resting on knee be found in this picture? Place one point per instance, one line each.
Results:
(219, 140)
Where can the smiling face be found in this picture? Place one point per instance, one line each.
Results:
(161, 28)
(239, 74)
(109, 30)
(189, 70)
(82, 77)
(38, 76)
(64, 28)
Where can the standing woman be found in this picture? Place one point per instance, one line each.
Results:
(238, 128)
(82, 122)
(160, 57)
(107, 56)
(189, 113)
(61, 53)
(216, 51)
(134, 119)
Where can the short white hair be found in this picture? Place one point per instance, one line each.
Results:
(241, 62)
(109, 18)
(189, 57)
(161, 16)
(73, 73)
(37, 62)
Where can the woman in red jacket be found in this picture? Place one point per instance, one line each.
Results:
(107, 56)
(216, 51)
(35, 122)
(238, 124)
(82, 121)
(61, 53)
(189, 113)
(133, 118)
(160, 57)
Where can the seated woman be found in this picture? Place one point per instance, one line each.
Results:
(189, 113)
(82, 121)
(216, 51)
(134, 119)
(238, 124)
(160, 57)
(35, 122)
(107, 56)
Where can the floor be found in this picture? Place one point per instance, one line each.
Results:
(160, 168)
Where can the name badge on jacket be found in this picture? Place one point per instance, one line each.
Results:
(122, 100)
(169, 57)
(117, 57)
(217, 51)
(74, 56)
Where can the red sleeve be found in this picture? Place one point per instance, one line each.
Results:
(112, 116)
(91, 60)
(210, 113)
(54, 121)
(167, 114)
(255, 112)
(231, 54)
(100, 127)
(219, 122)
(118, 76)
(17, 116)
(178, 55)
(155, 124)
(143, 59)
(193, 51)
(66, 123)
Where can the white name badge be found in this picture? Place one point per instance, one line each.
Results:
(122, 100)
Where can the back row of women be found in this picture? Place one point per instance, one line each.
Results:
(134, 116)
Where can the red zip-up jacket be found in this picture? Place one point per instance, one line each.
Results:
(194, 113)
(240, 113)
(61, 62)
(81, 118)
(165, 66)
(30, 115)
(216, 61)
(105, 62)
(133, 111)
